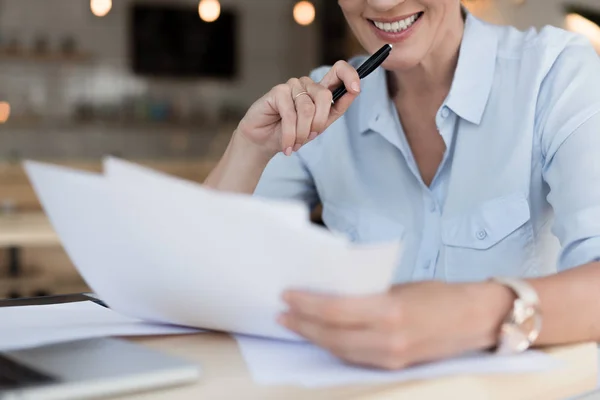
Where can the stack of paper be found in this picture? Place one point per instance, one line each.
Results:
(32, 326)
(294, 363)
(167, 250)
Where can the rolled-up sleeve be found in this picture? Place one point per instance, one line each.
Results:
(288, 178)
(570, 105)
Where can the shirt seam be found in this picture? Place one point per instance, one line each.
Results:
(567, 136)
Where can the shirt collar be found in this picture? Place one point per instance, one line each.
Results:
(475, 71)
(470, 88)
(372, 103)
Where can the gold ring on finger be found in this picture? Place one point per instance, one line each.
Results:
(300, 94)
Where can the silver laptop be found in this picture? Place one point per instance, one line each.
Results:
(89, 368)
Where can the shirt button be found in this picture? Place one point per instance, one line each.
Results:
(426, 265)
(445, 112)
(482, 234)
(433, 207)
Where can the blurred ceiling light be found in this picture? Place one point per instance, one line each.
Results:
(304, 13)
(4, 111)
(478, 7)
(209, 10)
(578, 24)
(100, 7)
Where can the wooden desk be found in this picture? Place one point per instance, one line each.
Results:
(225, 377)
(24, 229)
(27, 229)
(17, 231)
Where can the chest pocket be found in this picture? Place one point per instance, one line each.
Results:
(361, 225)
(495, 239)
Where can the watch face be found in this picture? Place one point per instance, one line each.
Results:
(528, 320)
(522, 326)
(514, 339)
(522, 311)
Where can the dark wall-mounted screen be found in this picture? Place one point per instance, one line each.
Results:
(172, 41)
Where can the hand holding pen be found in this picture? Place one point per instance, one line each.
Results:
(294, 113)
(366, 68)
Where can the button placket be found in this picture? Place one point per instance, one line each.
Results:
(426, 266)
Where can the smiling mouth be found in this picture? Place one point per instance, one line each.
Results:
(397, 26)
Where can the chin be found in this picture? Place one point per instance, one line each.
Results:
(401, 62)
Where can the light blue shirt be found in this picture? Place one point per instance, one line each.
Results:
(518, 190)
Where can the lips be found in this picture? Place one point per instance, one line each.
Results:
(398, 25)
(398, 29)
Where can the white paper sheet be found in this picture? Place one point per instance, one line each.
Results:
(123, 173)
(32, 326)
(166, 250)
(103, 249)
(273, 362)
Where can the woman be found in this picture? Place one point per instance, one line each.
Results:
(478, 146)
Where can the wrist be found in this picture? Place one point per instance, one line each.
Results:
(492, 302)
(240, 168)
(244, 147)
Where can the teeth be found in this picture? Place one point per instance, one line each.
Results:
(397, 26)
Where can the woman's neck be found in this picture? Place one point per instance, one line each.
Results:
(436, 72)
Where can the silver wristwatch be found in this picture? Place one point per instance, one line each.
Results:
(522, 325)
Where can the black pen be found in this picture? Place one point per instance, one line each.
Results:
(366, 68)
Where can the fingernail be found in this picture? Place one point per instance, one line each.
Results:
(297, 146)
(355, 86)
(288, 151)
(312, 135)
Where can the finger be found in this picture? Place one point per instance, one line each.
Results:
(284, 105)
(321, 97)
(348, 312)
(340, 342)
(305, 112)
(342, 73)
(357, 346)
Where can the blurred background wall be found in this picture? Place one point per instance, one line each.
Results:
(67, 74)
(92, 93)
(524, 14)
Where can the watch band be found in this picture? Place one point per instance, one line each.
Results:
(521, 288)
(523, 324)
